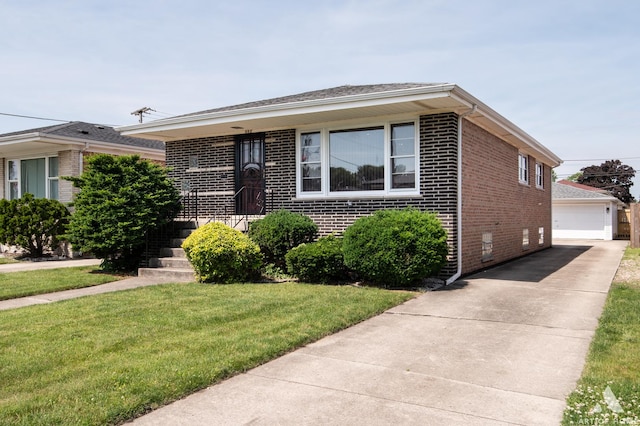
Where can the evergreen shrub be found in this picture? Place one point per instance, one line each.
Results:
(221, 254)
(395, 248)
(318, 262)
(279, 232)
(33, 224)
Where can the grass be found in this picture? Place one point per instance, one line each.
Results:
(609, 390)
(5, 260)
(110, 358)
(30, 283)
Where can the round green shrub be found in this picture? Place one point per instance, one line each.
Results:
(222, 254)
(395, 248)
(279, 232)
(318, 262)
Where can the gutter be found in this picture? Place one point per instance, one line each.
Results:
(458, 273)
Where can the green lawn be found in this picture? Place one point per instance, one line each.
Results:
(108, 358)
(614, 360)
(5, 260)
(30, 283)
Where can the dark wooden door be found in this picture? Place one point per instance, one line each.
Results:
(250, 174)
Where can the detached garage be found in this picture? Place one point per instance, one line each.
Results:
(583, 212)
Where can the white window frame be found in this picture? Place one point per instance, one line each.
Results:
(18, 161)
(325, 192)
(539, 175)
(523, 168)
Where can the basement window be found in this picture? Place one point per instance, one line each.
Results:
(487, 246)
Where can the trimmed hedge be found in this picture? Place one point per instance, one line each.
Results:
(222, 254)
(395, 248)
(318, 262)
(279, 232)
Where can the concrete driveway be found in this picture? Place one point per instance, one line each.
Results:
(504, 346)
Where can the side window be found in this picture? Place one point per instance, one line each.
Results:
(523, 168)
(539, 175)
(525, 239)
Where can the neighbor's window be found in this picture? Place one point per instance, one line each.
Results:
(523, 168)
(525, 239)
(52, 178)
(380, 159)
(487, 246)
(37, 176)
(539, 175)
(541, 235)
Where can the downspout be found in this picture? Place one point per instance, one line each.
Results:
(81, 159)
(454, 277)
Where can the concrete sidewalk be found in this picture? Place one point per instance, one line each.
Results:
(125, 284)
(504, 346)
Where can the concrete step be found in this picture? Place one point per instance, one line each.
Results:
(172, 252)
(176, 242)
(168, 274)
(170, 262)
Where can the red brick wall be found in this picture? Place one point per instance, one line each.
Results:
(493, 200)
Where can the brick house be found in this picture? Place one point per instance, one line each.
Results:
(341, 153)
(34, 159)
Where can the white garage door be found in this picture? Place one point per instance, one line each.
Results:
(579, 221)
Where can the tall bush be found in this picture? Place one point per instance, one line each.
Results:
(279, 232)
(222, 254)
(34, 224)
(395, 248)
(120, 199)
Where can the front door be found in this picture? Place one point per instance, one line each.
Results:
(250, 174)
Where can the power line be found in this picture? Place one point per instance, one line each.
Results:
(34, 118)
(604, 159)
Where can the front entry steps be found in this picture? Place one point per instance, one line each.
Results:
(172, 263)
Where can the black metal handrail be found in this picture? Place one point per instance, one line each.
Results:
(190, 205)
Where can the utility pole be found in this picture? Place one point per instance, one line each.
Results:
(140, 112)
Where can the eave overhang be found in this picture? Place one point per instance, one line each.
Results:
(36, 143)
(421, 100)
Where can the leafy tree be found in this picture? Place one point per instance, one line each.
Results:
(120, 199)
(32, 223)
(574, 177)
(611, 175)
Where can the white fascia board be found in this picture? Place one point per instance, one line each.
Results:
(584, 200)
(507, 125)
(84, 144)
(291, 108)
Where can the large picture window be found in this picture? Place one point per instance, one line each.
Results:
(37, 176)
(369, 160)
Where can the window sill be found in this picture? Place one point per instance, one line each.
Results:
(356, 197)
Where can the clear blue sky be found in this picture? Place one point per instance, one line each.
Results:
(566, 72)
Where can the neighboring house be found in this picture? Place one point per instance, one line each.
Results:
(34, 159)
(584, 212)
(345, 152)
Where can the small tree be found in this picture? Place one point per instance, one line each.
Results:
(32, 223)
(120, 199)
